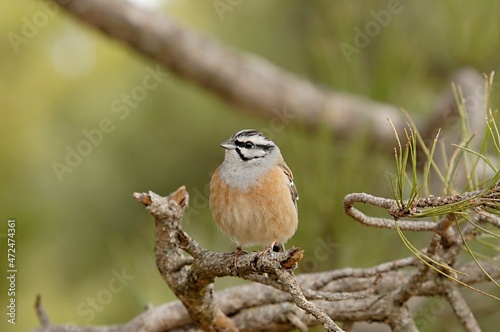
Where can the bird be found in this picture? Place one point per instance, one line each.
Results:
(253, 198)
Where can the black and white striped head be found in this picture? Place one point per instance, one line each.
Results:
(249, 146)
(249, 155)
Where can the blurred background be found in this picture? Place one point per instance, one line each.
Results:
(86, 246)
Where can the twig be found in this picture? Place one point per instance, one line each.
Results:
(468, 200)
(486, 217)
(460, 308)
(300, 300)
(41, 313)
(385, 203)
(400, 320)
(296, 321)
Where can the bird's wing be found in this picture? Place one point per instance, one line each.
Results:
(293, 189)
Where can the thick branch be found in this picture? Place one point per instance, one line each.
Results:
(193, 282)
(174, 266)
(243, 79)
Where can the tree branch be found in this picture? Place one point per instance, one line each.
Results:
(243, 79)
(378, 294)
(460, 308)
(255, 307)
(253, 83)
(193, 283)
(477, 199)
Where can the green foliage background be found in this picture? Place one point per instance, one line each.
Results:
(72, 234)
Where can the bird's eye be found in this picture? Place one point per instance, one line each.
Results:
(249, 145)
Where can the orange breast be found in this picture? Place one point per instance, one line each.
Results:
(260, 214)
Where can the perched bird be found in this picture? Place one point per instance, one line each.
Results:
(252, 195)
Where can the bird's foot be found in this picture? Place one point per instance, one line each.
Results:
(267, 250)
(237, 253)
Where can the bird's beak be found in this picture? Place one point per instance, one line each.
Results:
(228, 145)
